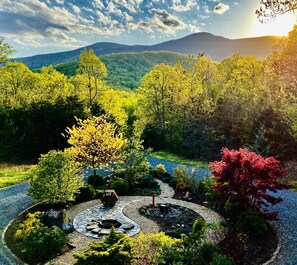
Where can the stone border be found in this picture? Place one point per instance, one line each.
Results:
(278, 248)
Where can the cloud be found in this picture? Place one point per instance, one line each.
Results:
(221, 8)
(194, 28)
(161, 21)
(178, 7)
(75, 9)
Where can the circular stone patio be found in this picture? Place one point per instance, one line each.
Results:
(98, 213)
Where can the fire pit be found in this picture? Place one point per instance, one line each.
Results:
(109, 223)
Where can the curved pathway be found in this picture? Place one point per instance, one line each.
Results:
(13, 200)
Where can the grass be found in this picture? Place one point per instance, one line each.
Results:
(11, 174)
(165, 155)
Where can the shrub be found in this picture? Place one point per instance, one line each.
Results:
(86, 193)
(233, 209)
(114, 249)
(55, 179)
(149, 248)
(160, 169)
(175, 233)
(149, 182)
(96, 180)
(204, 187)
(220, 259)
(38, 242)
(120, 186)
(182, 178)
(247, 177)
(251, 223)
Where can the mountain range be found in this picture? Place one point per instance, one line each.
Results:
(216, 47)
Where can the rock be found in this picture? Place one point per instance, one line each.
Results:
(104, 232)
(91, 227)
(96, 230)
(67, 227)
(187, 195)
(127, 226)
(54, 218)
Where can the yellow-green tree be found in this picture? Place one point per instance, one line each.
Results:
(5, 50)
(95, 143)
(94, 69)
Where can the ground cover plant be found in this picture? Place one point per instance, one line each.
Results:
(11, 174)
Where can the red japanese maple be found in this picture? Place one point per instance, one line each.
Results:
(248, 178)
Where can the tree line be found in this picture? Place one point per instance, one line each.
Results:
(194, 107)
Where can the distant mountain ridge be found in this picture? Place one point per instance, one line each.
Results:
(216, 47)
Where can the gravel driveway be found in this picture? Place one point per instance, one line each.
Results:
(14, 200)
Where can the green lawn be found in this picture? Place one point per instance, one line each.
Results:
(11, 174)
(165, 155)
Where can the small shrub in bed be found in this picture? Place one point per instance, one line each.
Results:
(149, 182)
(86, 193)
(120, 186)
(38, 242)
(251, 223)
(160, 169)
(96, 180)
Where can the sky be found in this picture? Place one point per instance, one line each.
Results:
(46, 26)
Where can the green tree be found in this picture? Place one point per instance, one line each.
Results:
(95, 71)
(56, 179)
(95, 142)
(5, 50)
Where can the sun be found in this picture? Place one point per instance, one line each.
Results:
(280, 26)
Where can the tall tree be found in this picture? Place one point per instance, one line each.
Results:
(5, 50)
(95, 70)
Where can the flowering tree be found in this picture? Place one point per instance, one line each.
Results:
(247, 177)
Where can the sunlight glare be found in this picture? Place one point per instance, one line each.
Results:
(280, 26)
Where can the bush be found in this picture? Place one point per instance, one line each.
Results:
(114, 249)
(251, 223)
(220, 259)
(149, 182)
(86, 193)
(182, 177)
(96, 180)
(233, 209)
(160, 169)
(38, 242)
(120, 186)
(175, 233)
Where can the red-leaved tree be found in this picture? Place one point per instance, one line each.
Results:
(247, 177)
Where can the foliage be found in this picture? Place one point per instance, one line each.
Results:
(125, 70)
(11, 174)
(5, 50)
(94, 69)
(135, 165)
(148, 248)
(96, 180)
(160, 168)
(272, 8)
(95, 143)
(246, 177)
(120, 186)
(191, 249)
(251, 223)
(221, 260)
(204, 187)
(38, 242)
(55, 179)
(233, 209)
(149, 182)
(114, 249)
(86, 193)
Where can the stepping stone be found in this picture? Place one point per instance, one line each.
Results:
(104, 232)
(127, 226)
(120, 230)
(91, 227)
(96, 230)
